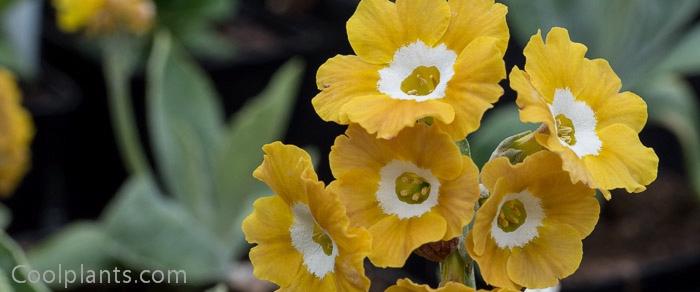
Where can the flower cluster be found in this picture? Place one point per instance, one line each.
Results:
(17, 131)
(424, 74)
(100, 17)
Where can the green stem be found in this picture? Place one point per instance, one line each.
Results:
(459, 266)
(117, 73)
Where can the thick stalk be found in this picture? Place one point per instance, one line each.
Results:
(459, 266)
(117, 72)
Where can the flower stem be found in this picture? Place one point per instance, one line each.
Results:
(117, 71)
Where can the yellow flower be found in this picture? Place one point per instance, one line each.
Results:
(17, 131)
(416, 59)
(406, 285)
(105, 16)
(589, 123)
(529, 231)
(73, 15)
(411, 190)
(304, 241)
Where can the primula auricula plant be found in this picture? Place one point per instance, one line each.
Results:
(424, 74)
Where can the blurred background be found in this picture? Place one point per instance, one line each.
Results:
(216, 79)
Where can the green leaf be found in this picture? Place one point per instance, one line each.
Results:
(186, 123)
(262, 120)
(672, 104)
(5, 284)
(152, 232)
(79, 246)
(192, 22)
(499, 123)
(21, 25)
(685, 58)
(12, 257)
(611, 29)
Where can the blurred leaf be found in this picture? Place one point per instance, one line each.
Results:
(185, 123)
(210, 44)
(685, 58)
(5, 284)
(611, 29)
(262, 120)
(152, 232)
(499, 123)
(193, 22)
(672, 104)
(79, 246)
(11, 256)
(21, 26)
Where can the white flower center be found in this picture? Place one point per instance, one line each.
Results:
(302, 231)
(578, 128)
(391, 202)
(422, 71)
(527, 230)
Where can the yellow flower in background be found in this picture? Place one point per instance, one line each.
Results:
(590, 124)
(416, 59)
(411, 190)
(529, 231)
(73, 15)
(304, 241)
(406, 285)
(105, 16)
(16, 133)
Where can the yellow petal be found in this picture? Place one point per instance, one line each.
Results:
(424, 20)
(566, 203)
(393, 239)
(624, 108)
(571, 163)
(75, 14)
(474, 88)
(492, 263)
(286, 169)
(17, 132)
(483, 220)
(428, 148)
(340, 79)
(474, 18)
(555, 254)
(305, 281)
(596, 82)
(270, 221)
(406, 285)
(539, 166)
(268, 226)
(555, 65)
(457, 199)
(358, 150)
(533, 107)
(386, 116)
(357, 190)
(354, 244)
(375, 31)
(623, 162)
